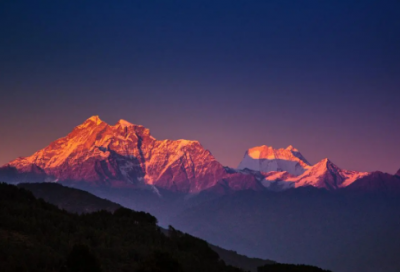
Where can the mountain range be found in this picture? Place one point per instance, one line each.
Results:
(274, 205)
(126, 155)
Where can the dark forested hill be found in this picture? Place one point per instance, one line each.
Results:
(69, 199)
(79, 201)
(37, 236)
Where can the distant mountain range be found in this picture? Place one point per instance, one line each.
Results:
(126, 155)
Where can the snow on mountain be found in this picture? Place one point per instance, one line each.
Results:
(266, 159)
(327, 175)
(98, 154)
(126, 155)
(287, 168)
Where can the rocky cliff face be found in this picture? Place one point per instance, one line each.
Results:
(126, 155)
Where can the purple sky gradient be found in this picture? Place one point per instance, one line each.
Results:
(321, 76)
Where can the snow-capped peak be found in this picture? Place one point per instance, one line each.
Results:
(266, 159)
(326, 174)
(324, 162)
(123, 123)
(95, 118)
(91, 122)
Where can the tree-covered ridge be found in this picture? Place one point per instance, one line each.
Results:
(69, 199)
(37, 236)
(79, 201)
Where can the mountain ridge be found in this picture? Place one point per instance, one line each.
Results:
(126, 155)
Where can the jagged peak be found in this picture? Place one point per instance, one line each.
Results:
(95, 118)
(325, 161)
(398, 173)
(291, 148)
(327, 164)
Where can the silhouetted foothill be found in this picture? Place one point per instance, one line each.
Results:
(48, 239)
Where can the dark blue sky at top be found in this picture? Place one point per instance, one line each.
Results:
(323, 76)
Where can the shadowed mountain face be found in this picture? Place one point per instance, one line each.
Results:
(378, 183)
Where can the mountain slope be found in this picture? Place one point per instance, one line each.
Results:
(69, 199)
(123, 155)
(78, 201)
(237, 260)
(49, 239)
(266, 159)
